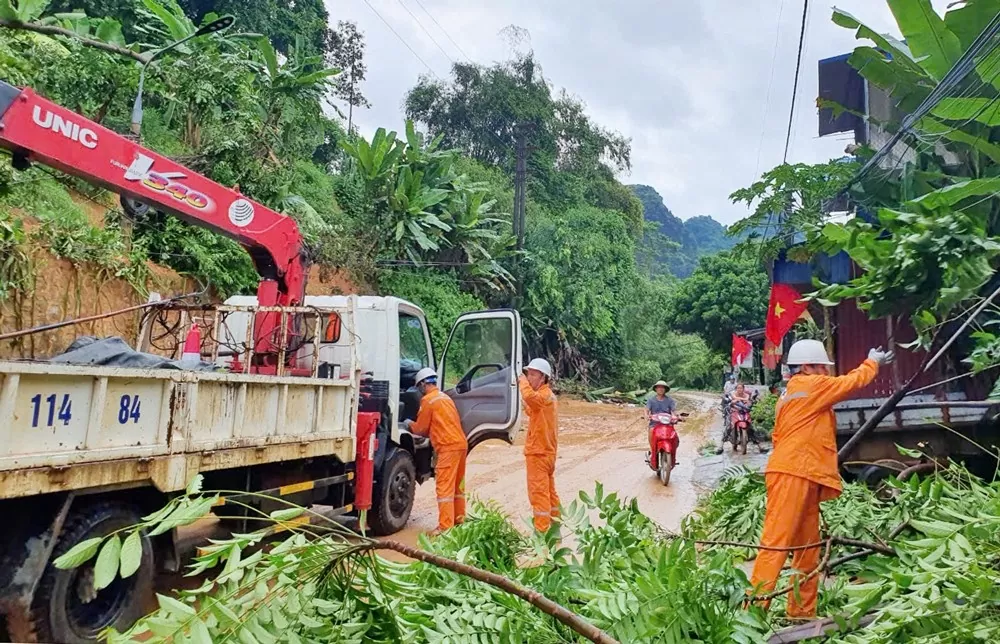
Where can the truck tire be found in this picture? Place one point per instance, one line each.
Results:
(65, 607)
(392, 499)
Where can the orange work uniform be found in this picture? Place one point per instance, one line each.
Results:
(801, 473)
(540, 452)
(438, 418)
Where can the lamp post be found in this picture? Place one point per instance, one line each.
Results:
(220, 24)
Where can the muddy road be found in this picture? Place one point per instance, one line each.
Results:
(597, 442)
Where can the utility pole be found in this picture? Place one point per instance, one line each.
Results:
(521, 131)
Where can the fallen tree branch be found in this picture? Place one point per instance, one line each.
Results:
(755, 546)
(814, 629)
(866, 552)
(812, 573)
(53, 30)
(857, 543)
(541, 602)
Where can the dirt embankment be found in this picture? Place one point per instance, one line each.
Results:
(62, 290)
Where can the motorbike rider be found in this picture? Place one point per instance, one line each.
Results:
(661, 403)
(740, 394)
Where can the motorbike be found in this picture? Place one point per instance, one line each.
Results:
(663, 444)
(741, 423)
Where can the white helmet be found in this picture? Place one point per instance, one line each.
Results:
(542, 365)
(808, 352)
(426, 373)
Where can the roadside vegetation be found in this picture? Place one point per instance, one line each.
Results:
(421, 209)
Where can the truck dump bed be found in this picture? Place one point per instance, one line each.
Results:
(65, 427)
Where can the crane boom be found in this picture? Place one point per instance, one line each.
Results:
(36, 129)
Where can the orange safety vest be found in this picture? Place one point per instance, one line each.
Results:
(805, 427)
(438, 417)
(543, 413)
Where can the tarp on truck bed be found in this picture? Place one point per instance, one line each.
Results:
(115, 352)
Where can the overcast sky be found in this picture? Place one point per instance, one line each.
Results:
(686, 80)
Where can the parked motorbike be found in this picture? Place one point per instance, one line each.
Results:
(663, 444)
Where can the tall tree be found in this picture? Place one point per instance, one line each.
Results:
(724, 294)
(347, 53)
(480, 109)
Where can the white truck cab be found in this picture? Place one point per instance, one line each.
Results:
(478, 369)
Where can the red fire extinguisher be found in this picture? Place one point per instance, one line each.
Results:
(364, 462)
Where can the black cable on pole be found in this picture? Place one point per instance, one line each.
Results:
(795, 84)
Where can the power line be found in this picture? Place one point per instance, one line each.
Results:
(443, 30)
(770, 83)
(960, 70)
(424, 29)
(406, 44)
(795, 84)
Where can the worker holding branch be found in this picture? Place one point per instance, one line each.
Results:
(540, 446)
(438, 418)
(802, 472)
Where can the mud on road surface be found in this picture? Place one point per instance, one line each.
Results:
(597, 442)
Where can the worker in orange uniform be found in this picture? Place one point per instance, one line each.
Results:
(802, 472)
(438, 418)
(540, 445)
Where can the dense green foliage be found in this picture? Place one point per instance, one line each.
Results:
(927, 234)
(623, 574)
(763, 413)
(326, 586)
(940, 586)
(425, 215)
(725, 293)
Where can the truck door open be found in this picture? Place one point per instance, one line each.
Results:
(479, 369)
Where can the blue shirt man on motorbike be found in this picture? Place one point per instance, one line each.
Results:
(661, 403)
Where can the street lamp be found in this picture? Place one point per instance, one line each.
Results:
(217, 25)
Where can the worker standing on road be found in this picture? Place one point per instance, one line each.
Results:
(438, 418)
(540, 445)
(803, 470)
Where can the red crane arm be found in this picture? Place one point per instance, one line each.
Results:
(36, 129)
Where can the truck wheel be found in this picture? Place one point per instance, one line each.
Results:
(66, 608)
(393, 495)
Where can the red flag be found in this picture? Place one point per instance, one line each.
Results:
(772, 354)
(782, 312)
(741, 349)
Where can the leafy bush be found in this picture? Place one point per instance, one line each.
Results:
(763, 413)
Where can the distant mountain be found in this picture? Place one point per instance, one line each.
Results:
(675, 245)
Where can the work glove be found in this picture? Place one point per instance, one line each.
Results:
(880, 356)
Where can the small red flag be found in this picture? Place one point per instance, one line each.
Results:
(782, 312)
(772, 354)
(741, 349)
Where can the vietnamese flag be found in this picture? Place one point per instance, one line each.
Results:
(784, 309)
(772, 354)
(741, 349)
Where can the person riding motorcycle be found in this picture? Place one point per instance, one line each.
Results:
(661, 403)
(729, 417)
